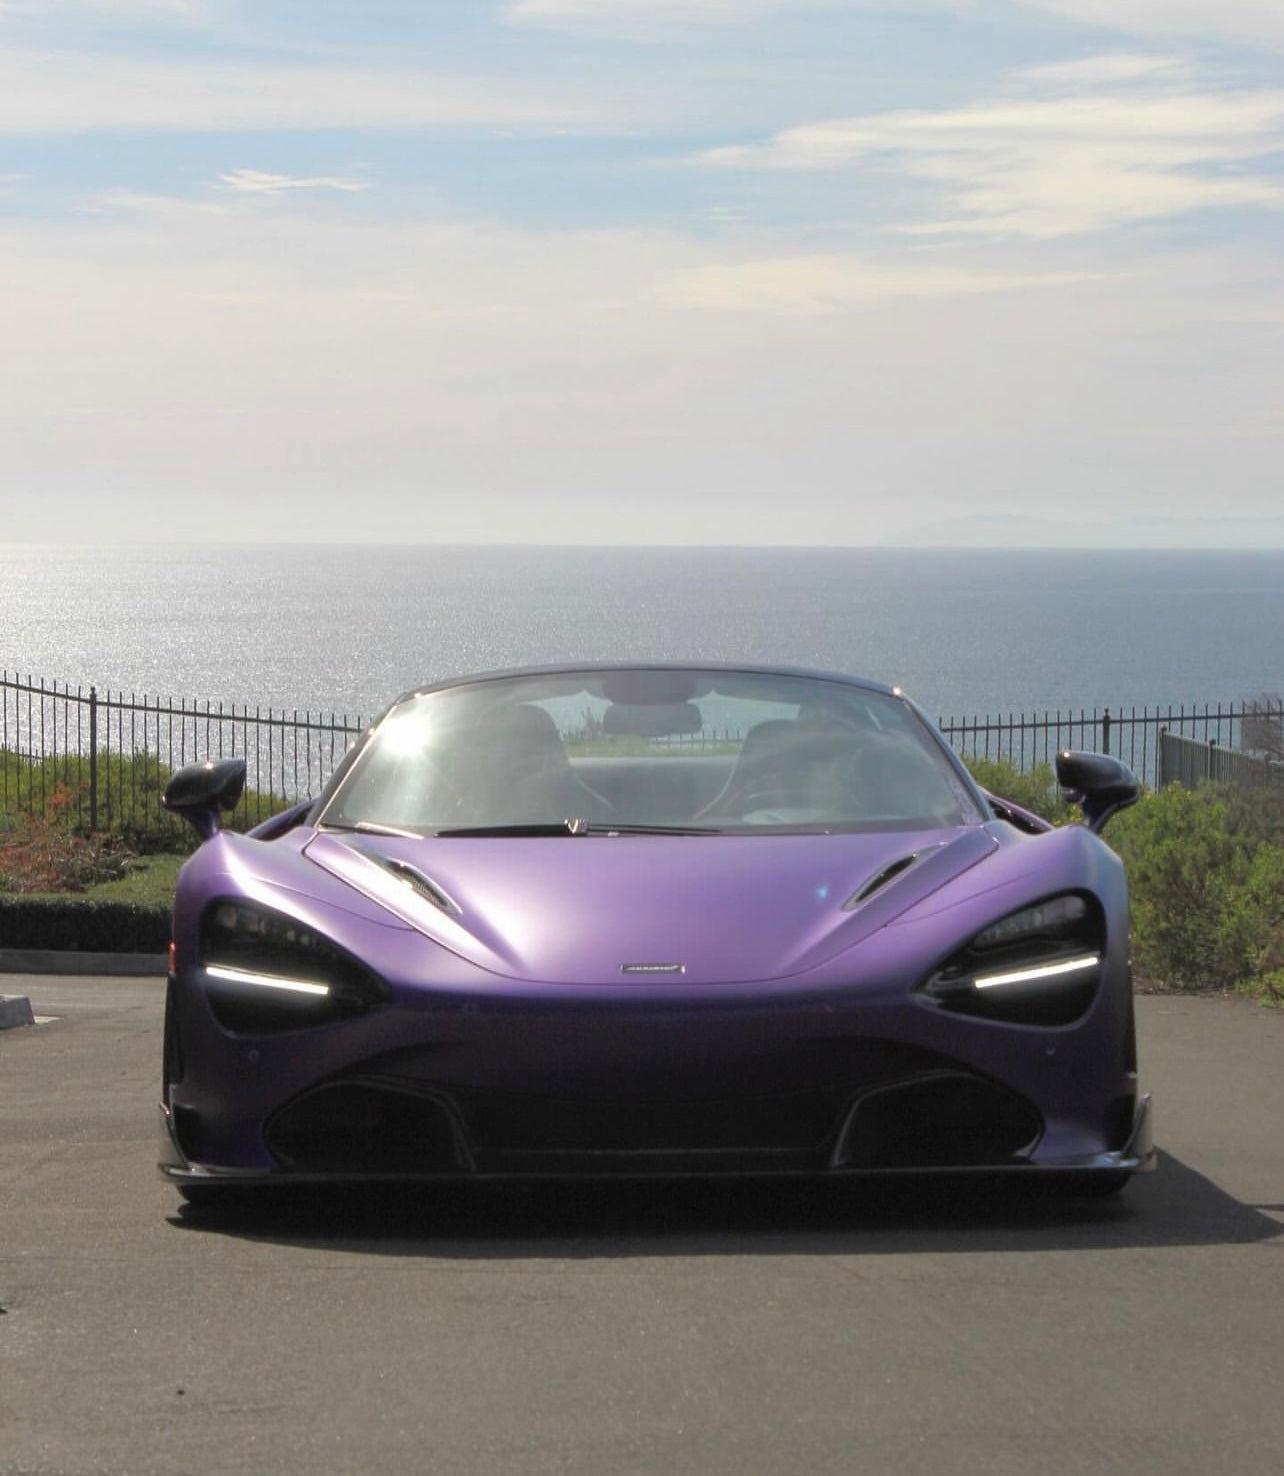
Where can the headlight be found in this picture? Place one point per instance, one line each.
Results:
(265, 971)
(1053, 917)
(1038, 966)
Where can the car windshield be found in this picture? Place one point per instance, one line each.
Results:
(650, 749)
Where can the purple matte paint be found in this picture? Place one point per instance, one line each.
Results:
(761, 1011)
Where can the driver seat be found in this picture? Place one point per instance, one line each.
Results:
(793, 761)
(517, 771)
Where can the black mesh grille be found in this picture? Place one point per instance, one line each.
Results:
(779, 1122)
(939, 1122)
(355, 1127)
(1119, 1119)
(187, 1130)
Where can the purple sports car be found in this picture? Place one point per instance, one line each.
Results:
(650, 920)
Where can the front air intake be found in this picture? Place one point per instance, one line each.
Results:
(363, 1128)
(945, 1120)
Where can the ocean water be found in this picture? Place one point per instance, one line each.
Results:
(347, 628)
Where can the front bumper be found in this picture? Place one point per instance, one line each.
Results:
(842, 1071)
(1137, 1155)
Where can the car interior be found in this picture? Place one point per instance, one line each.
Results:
(604, 755)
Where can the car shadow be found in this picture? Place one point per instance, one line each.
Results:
(601, 1219)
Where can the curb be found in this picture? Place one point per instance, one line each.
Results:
(59, 961)
(15, 1009)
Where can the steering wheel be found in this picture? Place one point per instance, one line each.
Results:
(595, 800)
(768, 797)
(833, 789)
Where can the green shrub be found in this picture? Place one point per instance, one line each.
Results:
(1255, 812)
(1256, 922)
(1207, 882)
(129, 798)
(1033, 789)
(41, 854)
(83, 926)
(1205, 872)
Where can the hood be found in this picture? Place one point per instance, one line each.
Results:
(574, 910)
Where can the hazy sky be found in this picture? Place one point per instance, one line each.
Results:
(663, 271)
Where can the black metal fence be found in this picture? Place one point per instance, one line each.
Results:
(105, 755)
(1132, 734)
(1188, 763)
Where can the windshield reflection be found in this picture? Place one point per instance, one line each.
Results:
(652, 751)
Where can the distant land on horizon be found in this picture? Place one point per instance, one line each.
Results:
(977, 532)
(1014, 530)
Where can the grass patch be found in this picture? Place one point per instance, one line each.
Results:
(149, 881)
(1268, 990)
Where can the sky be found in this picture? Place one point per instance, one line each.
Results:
(639, 271)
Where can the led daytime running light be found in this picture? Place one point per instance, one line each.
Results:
(265, 981)
(1039, 971)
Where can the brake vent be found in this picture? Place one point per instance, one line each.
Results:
(418, 882)
(880, 879)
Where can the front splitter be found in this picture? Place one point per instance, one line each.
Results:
(1137, 1156)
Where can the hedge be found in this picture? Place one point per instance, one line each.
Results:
(1205, 873)
(83, 926)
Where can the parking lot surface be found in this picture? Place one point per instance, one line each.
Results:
(600, 1329)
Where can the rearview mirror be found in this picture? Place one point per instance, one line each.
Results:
(198, 792)
(1099, 784)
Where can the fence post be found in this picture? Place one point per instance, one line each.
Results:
(1208, 771)
(1105, 731)
(93, 759)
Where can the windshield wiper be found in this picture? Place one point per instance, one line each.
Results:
(524, 827)
(608, 827)
(573, 827)
(372, 827)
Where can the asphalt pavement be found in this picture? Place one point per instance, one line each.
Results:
(702, 1329)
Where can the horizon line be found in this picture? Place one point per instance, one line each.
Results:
(882, 547)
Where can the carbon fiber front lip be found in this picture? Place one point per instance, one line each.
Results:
(1137, 1156)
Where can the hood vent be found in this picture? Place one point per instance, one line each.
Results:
(423, 885)
(881, 878)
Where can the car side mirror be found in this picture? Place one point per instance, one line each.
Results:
(1098, 783)
(198, 792)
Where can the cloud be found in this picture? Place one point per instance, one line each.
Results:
(258, 182)
(825, 282)
(1256, 22)
(465, 380)
(51, 92)
(1057, 158)
(189, 11)
(646, 18)
(1110, 67)
(614, 14)
(140, 203)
